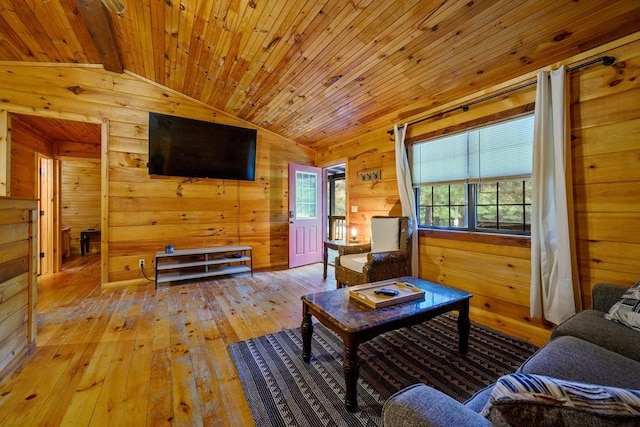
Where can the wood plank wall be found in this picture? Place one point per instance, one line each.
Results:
(605, 119)
(146, 214)
(18, 283)
(606, 152)
(25, 143)
(80, 199)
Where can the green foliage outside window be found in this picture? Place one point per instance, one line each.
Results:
(502, 205)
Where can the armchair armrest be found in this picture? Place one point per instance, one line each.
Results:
(385, 265)
(354, 249)
(385, 257)
(604, 295)
(420, 405)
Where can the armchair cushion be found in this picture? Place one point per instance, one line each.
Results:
(385, 234)
(354, 262)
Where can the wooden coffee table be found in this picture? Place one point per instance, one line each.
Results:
(356, 323)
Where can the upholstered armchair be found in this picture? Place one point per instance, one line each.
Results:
(387, 256)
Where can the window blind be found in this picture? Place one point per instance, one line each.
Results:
(497, 151)
(440, 160)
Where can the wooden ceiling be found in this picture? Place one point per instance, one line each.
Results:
(318, 71)
(57, 130)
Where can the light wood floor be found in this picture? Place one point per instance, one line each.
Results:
(136, 356)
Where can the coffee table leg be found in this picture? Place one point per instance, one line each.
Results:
(351, 371)
(464, 326)
(307, 332)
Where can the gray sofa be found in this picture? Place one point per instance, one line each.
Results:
(587, 348)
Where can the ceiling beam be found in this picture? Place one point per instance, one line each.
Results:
(96, 18)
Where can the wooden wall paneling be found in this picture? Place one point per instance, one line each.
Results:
(26, 143)
(77, 149)
(606, 139)
(605, 197)
(124, 101)
(105, 174)
(18, 281)
(605, 124)
(615, 257)
(609, 226)
(81, 199)
(609, 167)
(57, 217)
(5, 153)
(371, 197)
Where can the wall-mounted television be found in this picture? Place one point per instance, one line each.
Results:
(194, 148)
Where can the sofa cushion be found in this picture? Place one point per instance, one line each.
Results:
(385, 234)
(627, 310)
(419, 405)
(517, 399)
(573, 359)
(590, 325)
(479, 400)
(604, 295)
(354, 262)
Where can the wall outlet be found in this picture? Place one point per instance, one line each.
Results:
(354, 209)
(141, 263)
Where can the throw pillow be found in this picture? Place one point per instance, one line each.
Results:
(528, 400)
(385, 234)
(627, 310)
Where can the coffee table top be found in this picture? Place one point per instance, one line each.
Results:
(352, 316)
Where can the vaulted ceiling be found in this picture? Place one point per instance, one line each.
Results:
(316, 71)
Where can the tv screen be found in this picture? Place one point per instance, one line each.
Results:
(199, 149)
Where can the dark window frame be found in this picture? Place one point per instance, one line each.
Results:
(471, 209)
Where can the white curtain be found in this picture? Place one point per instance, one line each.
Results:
(552, 291)
(407, 199)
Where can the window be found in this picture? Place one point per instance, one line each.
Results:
(478, 180)
(306, 195)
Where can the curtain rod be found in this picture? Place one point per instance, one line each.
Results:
(606, 60)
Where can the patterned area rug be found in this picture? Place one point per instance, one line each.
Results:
(282, 390)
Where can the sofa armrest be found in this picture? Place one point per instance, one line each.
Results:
(420, 405)
(354, 249)
(604, 295)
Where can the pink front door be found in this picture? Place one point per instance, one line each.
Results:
(305, 215)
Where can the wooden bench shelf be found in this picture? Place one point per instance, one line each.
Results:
(185, 264)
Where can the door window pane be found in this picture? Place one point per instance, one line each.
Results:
(306, 185)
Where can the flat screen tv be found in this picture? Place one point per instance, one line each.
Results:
(194, 148)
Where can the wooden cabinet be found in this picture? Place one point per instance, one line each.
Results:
(18, 281)
(187, 264)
